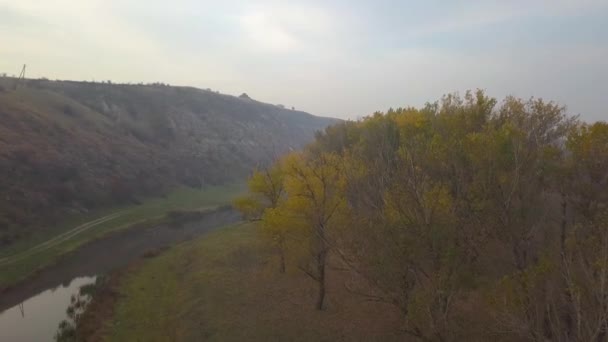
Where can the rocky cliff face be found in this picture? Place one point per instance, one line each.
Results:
(68, 146)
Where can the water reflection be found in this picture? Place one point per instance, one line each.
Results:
(37, 318)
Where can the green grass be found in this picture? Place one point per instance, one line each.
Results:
(151, 210)
(226, 286)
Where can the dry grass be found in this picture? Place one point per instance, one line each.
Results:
(225, 287)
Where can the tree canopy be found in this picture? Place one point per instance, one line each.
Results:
(477, 219)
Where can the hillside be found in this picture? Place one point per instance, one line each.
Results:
(68, 147)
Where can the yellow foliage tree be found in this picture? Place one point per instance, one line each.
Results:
(266, 192)
(315, 201)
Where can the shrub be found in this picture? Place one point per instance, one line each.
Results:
(69, 111)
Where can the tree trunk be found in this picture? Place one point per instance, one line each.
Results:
(321, 280)
(569, 311)
(282, 261)
(564, 224)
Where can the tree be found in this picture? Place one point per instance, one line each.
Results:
(584, 236)
(299, 197)
(314, 202)
(524, 156)
(266, 191)
(476, 219)
(413, 238)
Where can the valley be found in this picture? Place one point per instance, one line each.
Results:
(95, 176)
(70, 149)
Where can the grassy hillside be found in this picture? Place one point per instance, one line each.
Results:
(71, 147)
(44, 247)
(226, 287)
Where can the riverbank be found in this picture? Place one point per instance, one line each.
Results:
(114, 251)
(25, 258)
(226, 286)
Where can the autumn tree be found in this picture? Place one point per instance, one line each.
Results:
(413, 238)
(476, 219)
(584, 237)
(525, 148)
(266, 192)
(315, 200)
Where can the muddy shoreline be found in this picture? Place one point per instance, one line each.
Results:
(117, 250)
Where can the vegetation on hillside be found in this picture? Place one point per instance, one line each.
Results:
(70, 147)
(475, 219)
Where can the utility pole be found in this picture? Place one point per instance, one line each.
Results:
(21, 77)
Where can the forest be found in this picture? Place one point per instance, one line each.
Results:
(476, 218)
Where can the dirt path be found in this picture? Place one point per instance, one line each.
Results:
(116, 250)
(57, 239)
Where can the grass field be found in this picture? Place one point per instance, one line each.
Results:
(26, 256)
(226, 286)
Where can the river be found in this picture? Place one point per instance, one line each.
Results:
(38, 317)
(44, 298)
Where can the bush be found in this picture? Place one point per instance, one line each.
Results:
(69, 111)
(178, 218)
(153, 253)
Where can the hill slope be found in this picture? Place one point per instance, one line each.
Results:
(72, 146)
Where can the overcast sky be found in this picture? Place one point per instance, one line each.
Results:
(337, 58)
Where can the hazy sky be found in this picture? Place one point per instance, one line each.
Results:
(338, 58)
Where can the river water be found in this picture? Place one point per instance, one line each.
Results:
(32, 311)
(38, 318)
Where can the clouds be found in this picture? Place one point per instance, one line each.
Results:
(266, 34)
(69, 39)
(284, 28)
(341, 58)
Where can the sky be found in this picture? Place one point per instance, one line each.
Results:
(340, 58)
